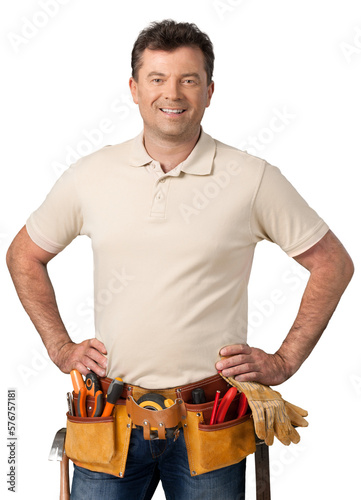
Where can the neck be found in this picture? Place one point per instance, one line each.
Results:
(169, 153)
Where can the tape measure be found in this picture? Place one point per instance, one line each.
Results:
(154, 401)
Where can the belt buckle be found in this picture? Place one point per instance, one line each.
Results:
(170, 433)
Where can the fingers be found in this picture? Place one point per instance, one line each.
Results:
(258, 418)
(231, 350)
(99, 346)
(270, 421)
(295, 417)
(237, 361)
(297, 409)
(87, 356)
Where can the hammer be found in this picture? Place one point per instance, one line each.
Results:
(57, 452)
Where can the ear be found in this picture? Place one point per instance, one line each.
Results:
(210, 91)
(133, 89)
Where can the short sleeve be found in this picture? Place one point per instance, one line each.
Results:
(281, 215)
(59, 219)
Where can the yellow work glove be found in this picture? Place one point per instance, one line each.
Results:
(272, 416)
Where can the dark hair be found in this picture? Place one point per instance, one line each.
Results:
(169, 35)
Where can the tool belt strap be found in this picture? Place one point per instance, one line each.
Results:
(161, 420)
(210, 385)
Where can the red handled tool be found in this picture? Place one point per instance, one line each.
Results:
(225, 404)
(242, 405)
(214, 411)
(92, 386)
(114, 392)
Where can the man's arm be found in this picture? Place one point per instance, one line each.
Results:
(331, 270)
(27, 265)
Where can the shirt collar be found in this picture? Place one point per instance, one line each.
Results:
(199, 161)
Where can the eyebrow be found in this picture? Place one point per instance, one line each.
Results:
(184, 75)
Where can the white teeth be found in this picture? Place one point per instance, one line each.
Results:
(176, 111)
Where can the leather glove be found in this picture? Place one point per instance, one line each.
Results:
(272, 416)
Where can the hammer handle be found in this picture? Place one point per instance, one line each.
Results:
(64, 478)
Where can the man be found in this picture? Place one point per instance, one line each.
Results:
(174, 217)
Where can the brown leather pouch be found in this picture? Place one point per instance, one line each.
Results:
(211, 447)
(156, 422)
(99, 443)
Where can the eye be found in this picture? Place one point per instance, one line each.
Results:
(157, 80)
(189, 81)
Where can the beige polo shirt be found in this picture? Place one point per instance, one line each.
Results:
(172, 251)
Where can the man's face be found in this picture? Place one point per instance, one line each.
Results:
(172, 92)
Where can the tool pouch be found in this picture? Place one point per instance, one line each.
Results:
(157, 424)
(99, 443)
(212, 447)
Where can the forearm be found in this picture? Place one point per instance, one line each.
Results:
(37, 296)
(27, 265)
(331, 270)
(321, 296)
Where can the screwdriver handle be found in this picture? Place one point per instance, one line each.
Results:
(114, 392)
(198, 396)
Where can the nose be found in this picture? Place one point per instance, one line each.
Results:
(173, 90)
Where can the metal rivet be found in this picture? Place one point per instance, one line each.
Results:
(121, 474)
(198, 414)
(185, 425)
(128, 425)
(194, 473)
(161, 424)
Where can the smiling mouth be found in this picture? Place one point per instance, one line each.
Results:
(169, 111)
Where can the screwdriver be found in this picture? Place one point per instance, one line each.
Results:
(198, 396)
(114, 392)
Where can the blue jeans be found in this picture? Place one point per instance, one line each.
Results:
(160, 460)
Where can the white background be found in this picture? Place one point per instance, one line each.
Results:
(66, 71)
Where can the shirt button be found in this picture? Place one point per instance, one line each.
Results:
(162, 180)
(159, 196)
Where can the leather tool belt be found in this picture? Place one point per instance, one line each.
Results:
(101, 443)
